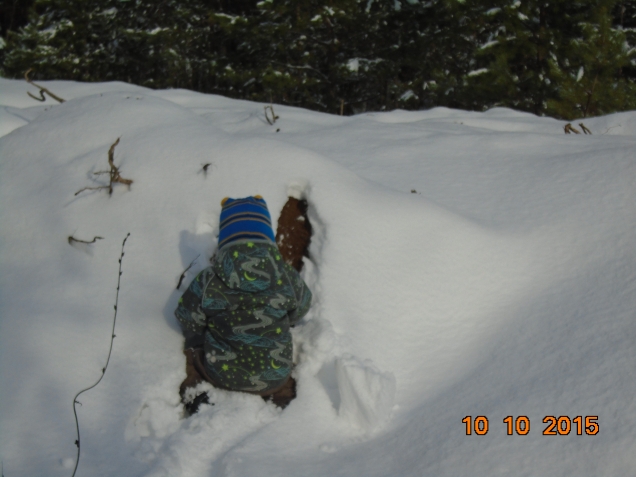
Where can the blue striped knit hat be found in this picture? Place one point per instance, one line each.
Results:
(246, 218)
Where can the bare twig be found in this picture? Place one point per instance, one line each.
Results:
(568, 128)
(72, 239)
(205, 167)
(274, 117)
(41, 98)
(91, 188)
(110, 350)
(186, 271)
(113, 173)
(585, 130)
(42, 89)
(610, 128)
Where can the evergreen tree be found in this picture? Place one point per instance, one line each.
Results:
(434, 51)
(568, 59)
(590, 79)
(100, 40)
(516, 62)
(624, 20)
(60, 41)
(358, 54)
(300, 52)
(561, 58)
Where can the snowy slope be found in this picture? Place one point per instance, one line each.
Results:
(505, 285)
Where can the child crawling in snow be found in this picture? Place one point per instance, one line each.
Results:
(241, 308)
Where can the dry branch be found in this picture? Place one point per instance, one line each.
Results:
(610, 128)
(585, 130)
(568, 128)
(205, 167)
(110, 350)
(274, 117)
(42, 89)
(186, 271)
(91, 188)
(113, 173)
(72, 239)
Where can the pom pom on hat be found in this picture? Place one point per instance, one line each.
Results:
(246, 218)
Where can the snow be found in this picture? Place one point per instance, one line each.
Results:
(505, 285)
(366, 394)
(477, 72)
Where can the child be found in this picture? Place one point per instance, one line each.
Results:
(242, 307)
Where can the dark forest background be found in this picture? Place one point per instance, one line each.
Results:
(565, 59)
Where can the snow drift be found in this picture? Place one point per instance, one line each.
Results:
(462, 264)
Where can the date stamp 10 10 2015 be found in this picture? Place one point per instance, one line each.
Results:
(561, 425)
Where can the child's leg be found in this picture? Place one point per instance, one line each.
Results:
(285, 395)
(192, 379)
(192, 340)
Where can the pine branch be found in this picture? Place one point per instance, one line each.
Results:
(42, 89)
(110, 350)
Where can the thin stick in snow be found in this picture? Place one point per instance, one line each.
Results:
(186, 271)
(274, 117)
(42, 89)
(205, 167)
(110, 350)
(72, 239)
(113, 173)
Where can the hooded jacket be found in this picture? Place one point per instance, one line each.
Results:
(244, 305)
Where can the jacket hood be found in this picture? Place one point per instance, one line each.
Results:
(250, 266)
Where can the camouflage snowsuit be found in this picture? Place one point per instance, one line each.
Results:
(244, 305)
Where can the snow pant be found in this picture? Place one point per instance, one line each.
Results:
(196, 373)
